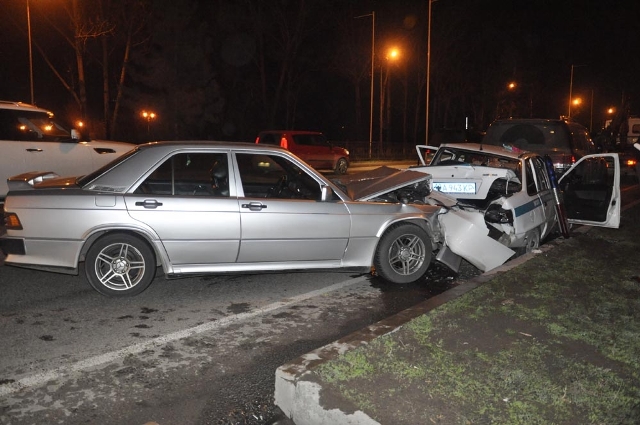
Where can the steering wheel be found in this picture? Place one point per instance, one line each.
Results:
(282, 183)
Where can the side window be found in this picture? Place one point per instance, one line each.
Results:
(273, 176)
(537, 178)
(531, 181)
(15, 127)
(189, 174)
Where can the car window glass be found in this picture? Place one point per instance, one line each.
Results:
(26, 125)
(274, 176)
(270, 139)
(189, 174)
(542, 178)
(531, 178)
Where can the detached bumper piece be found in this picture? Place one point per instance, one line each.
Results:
(12, 246)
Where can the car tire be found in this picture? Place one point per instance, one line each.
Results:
(403, 254)
(120, 265)
(531, 242)
(341, 166)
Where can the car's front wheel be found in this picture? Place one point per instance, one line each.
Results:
(120, 265)
(403, 254)
(341, 166)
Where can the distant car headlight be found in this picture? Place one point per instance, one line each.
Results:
(496, 214)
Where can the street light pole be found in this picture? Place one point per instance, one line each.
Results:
(373, 54)
(426, 125)
(30, 53)
(571, 88)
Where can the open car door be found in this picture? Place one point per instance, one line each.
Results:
(591, 191)
(425, 154)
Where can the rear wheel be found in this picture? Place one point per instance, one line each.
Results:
(120, 265)
(341, 166)
(403, 254)
(531, 242)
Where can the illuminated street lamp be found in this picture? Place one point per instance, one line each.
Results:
(511, 86)
(149, 116)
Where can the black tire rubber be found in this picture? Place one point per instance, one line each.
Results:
(403, 254)
(120, 265)
(341, 166)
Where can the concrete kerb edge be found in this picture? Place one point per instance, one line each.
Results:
(298, 395)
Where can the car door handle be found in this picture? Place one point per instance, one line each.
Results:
(34, 150)
(149, 203)
(254, 206)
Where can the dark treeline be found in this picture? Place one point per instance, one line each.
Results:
(226, 69)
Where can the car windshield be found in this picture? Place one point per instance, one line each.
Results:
(455, 156)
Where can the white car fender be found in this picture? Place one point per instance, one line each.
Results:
(466, 234)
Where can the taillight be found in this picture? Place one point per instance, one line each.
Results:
(12, 222)
(573, 159)
(257, 139)
(496, 214)
(284, 143)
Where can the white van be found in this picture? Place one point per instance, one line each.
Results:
(31, 140)
(633, 131)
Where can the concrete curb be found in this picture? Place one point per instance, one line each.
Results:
(297, 388)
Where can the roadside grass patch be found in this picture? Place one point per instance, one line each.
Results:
(538, 344)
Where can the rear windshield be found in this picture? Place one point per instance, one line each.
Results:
(533, 137)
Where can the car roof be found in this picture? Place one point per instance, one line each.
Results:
(490, 149)
(529, 121)
(293, 132)
(196, 144)
(20, 106)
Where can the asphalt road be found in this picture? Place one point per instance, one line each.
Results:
(201, 350)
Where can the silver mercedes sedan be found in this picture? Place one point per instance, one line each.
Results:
(207, 207)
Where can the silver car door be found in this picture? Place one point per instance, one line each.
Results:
(591, 191)
(189, 201)
(283, 219)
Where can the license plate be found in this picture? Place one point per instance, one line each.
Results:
(455, 188)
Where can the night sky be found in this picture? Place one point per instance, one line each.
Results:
(477, 47)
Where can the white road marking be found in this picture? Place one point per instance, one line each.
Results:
(42, 378)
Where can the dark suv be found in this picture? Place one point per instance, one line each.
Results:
(310, 146)
(564, 141)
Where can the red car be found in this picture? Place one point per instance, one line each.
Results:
(311, 146)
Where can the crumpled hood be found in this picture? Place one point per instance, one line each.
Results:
(369, 184)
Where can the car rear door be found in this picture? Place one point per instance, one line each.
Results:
(285, 221)
(591, 191)
(195, 217)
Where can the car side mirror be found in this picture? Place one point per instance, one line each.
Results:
(327, 193)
